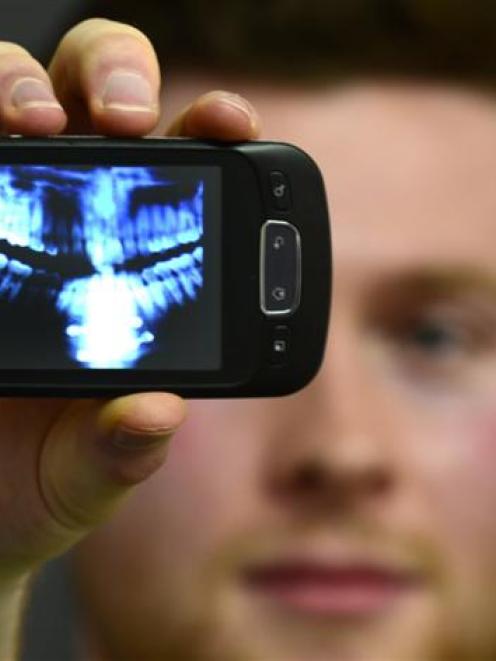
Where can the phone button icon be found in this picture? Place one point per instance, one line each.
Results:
(279, 345)
(279, 294)
(279, 189)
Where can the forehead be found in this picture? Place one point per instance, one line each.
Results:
(409, 168)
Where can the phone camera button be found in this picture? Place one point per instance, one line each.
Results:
(279, 189)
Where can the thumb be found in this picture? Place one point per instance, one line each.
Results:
(97, 451)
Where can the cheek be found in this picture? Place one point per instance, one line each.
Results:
(484, 427)
(207, 487)
(471, 442)
(458, 471)
(477, 479)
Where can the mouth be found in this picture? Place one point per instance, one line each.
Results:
(333, 589)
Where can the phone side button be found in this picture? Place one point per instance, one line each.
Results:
(280, 268)
(279, 345)
(279, 189)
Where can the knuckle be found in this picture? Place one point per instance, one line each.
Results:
(99, 32)
(130, 471)
(60, 509)
(98, 41)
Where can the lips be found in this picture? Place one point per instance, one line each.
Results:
(336, 590)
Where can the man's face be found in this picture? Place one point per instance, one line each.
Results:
(353, 520)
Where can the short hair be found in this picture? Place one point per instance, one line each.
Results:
(320, 38)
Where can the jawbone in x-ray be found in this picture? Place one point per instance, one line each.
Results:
(103, 266)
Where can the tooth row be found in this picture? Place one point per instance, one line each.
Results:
(107, 311)
(17, 277)
(168, 283)
(93, 218)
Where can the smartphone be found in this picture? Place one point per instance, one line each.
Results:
(128, 265)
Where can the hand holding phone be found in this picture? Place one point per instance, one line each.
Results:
(66, 464)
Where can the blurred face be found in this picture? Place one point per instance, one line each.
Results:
(354, 520)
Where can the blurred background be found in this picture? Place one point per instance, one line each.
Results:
(434, 37)
(37, 25)
(430, 37)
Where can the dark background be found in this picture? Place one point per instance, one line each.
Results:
(38, 24)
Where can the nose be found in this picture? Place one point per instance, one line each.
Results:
(332, 444)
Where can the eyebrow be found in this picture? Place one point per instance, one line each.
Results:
(441, 282)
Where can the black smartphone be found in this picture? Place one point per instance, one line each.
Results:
(130, 265)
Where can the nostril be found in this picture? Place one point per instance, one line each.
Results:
(377, 483)
(313, 480)
(301, 480)
(309, 478)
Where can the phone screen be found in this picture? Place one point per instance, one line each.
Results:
(110, 267)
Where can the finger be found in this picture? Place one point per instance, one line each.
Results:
(107, 77)
(96, 452)
(218, 115)
(28, 104)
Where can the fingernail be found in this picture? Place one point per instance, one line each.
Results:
(32, 93)
(128, 91)
(237, 102)
(131, 440)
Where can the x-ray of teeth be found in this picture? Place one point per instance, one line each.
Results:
(111, 249)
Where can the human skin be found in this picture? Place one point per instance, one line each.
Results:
(66, 465)
(386, 459)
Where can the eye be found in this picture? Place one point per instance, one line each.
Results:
(436, 337)
(447, 330)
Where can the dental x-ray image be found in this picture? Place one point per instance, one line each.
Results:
(103, 267)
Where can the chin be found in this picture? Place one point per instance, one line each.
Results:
(241, 628)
